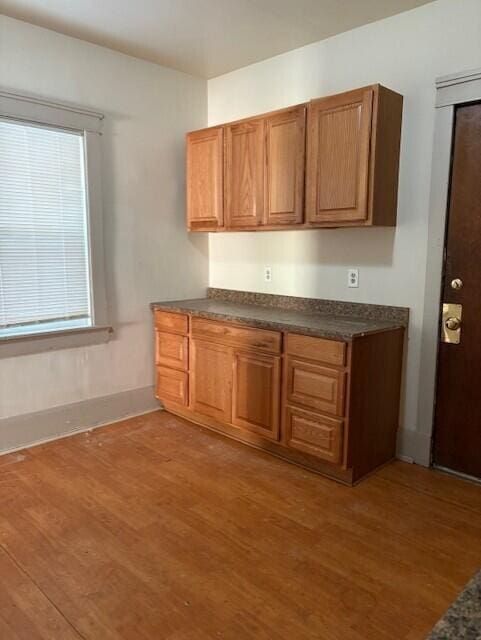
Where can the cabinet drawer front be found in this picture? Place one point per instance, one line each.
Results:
(316, 387)
(172, 322)
(314, 434)
(318, 349)
(171, 386)
(171, 350)
(238, 336)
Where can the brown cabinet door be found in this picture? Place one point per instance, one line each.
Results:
(312, 433)
(244, 174)
(211, 379)
(256, 393)
(338, 155)
(205, 197)
(285, 157)
(316, 387)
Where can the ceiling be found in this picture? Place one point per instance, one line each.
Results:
(203, 37)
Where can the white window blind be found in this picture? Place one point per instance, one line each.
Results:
(44, 265)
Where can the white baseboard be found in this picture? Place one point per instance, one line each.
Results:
(25, 430)
(414, 446)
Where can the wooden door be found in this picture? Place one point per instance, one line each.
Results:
(285, 158)
(211, 379)
(338, 157)
(205, 191)
(256, 393)
(244, 173)
(457, 434)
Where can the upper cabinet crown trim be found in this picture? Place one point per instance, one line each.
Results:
(332, 162)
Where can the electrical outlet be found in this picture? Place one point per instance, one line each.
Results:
(267, 274)
(353, 278)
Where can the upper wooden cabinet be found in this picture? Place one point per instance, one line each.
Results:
(285, 159)
(353, 158)
(244, 173)
(205, 174)
(339, 170)
(339, 136)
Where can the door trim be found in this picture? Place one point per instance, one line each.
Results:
(452, 90)
(457, 474)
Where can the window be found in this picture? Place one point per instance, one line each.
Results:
(51, 264)
(44, 270)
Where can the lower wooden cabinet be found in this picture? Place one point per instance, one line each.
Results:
(328, 405)
(256, 393)
(211, 379)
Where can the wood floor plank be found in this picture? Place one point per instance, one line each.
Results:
(156, 528)
(25, 612)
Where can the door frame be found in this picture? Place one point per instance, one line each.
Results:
(451, 90)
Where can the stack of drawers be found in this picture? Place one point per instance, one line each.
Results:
(172, 357)
(314, 390)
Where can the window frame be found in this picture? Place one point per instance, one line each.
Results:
(28, 109)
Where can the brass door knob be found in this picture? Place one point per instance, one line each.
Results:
(453, 323)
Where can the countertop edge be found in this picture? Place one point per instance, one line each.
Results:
(391, 325)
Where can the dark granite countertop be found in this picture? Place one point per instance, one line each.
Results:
(462, 621)
(331, 321)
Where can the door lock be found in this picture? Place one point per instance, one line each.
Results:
(456, 284)
(451, 323)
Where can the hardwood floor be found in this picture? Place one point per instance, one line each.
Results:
(156, 529)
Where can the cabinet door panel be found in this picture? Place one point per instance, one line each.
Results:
(171, 350)
(244, 173)
(205, 168)
(316, 387)
(285, 148)
(211, 379)
(338, 142)
(256, 393)
(312, 433)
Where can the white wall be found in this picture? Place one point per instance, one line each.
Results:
(149, 255)
(406, 53)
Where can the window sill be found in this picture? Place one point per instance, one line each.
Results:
(51, 341)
